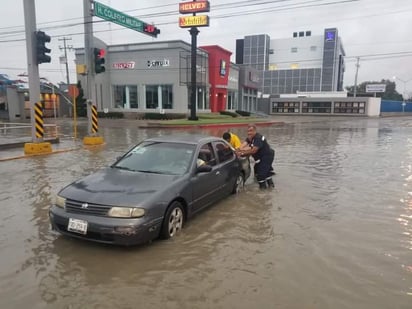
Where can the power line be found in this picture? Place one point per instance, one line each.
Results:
(243, 4)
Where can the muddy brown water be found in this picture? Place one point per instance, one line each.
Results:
(336, 232)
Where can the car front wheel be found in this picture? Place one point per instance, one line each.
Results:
(239, 184)
(173, 221)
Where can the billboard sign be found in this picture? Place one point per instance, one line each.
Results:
(194, 7)
(376, 88)
(194, 21)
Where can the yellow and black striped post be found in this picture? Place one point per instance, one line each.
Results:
(38, 116)
(94, 128)
(95, 125)
(38, 147)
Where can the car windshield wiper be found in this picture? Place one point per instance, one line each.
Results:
(123, 168)
(150, 172)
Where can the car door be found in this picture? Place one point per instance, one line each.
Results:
(205, 185)
(227, 165)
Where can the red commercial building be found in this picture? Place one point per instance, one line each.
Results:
(219, 66)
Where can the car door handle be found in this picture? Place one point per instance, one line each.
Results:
(218, 173)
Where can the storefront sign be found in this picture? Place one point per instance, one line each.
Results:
(222, 67)
(158, 63)
(123, 65)
(194, 7)
(233, 79)
(200, 69)
(194, 21)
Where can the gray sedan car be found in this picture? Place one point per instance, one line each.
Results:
(150, 191)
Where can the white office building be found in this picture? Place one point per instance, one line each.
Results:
(303, 62)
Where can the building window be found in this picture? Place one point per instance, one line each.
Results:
(313, 48)
(308, 33)
(231, 100)
(271, 51)
(295, 34)
(272, 67)
(301, 33)
(201, 98)
(159, 96)
(167, 96)
(294, 50)
(125, 96)
(224, 153)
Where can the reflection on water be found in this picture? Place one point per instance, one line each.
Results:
(405, 218)
(334, 233)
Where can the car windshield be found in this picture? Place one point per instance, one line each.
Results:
(158, 158)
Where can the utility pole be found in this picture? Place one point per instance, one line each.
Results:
(65, 47)
(33, 68)
(356, 76)
(88, 42)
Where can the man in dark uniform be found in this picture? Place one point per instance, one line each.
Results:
(257, 146)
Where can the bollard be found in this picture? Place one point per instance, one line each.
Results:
(38, 147)
(38, 116)
(94, 128)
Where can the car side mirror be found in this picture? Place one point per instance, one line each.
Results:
(204, 169)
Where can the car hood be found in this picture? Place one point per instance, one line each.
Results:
(112, 186)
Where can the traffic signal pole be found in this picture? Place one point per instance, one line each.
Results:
(92, 129)
(32, 66)
(37, 146)
(88, 39)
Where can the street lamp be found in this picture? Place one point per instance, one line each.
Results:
(404, 90)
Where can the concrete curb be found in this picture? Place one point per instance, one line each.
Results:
(211, 125)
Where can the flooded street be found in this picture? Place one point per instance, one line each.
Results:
(336, 232)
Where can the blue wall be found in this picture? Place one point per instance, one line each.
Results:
(395, 106)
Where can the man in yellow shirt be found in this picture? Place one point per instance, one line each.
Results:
(232, 139)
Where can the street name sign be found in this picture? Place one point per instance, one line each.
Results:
(109, 14)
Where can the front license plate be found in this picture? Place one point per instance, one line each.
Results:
(77, 226)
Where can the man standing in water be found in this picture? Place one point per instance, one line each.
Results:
(257, 146)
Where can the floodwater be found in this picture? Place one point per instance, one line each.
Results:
(336, 232)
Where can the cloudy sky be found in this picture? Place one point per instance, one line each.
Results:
(377, 31)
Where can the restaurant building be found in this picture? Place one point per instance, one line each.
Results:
(156, 77)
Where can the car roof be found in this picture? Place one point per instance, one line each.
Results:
(184, 138)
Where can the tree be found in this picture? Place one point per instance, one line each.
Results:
(389, 94)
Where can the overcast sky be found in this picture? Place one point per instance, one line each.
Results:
(367, 27)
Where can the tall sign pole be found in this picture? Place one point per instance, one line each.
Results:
(193, 32)
(33, 68)
(193, 22)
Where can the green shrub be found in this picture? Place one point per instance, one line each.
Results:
(158, 116)
(228, 113)
(110, 115)
(243, 113)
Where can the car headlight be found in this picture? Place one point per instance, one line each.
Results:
(60, 201)
(126, 212)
